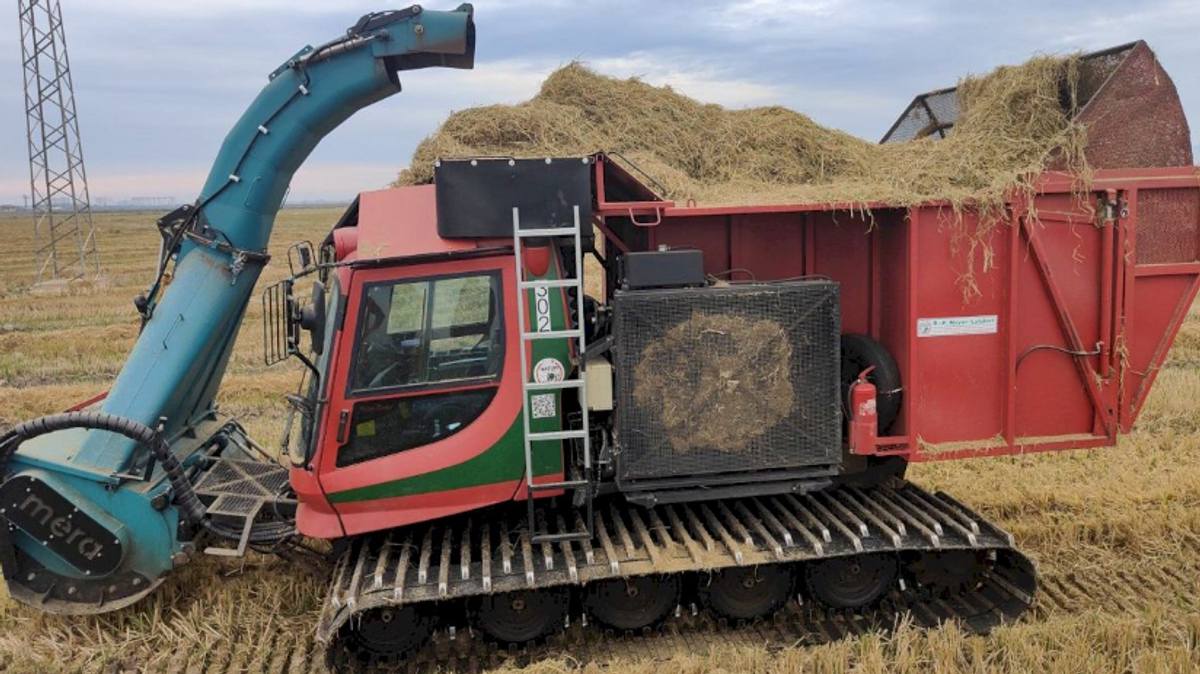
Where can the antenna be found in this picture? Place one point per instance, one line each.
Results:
(64, 235)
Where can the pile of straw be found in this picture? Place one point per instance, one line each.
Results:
(1015, 122)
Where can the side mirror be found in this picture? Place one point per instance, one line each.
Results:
(303, 255)
(312, 318)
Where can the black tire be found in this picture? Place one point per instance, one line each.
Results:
(746, 593)
(385, 634)
(852, 582)
(632, 603)
(519, 617)
(860, 352)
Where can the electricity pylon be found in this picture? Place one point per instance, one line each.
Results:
(64, 235)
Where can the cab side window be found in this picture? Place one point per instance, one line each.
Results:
(416, 339)
(385, 427)
(417, 333)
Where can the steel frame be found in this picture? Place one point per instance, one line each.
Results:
(64, 234)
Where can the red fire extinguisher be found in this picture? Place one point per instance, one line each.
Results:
(864, 420)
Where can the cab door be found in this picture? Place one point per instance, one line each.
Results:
(424, 413)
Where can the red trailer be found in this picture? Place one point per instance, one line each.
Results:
(1056, 349)
(1051, 343)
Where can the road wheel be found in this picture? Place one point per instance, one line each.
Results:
(387, 633)
(632, 603)
(746, 593)
(850, 582)
(517, 617)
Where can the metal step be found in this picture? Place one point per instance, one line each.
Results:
(552, 334)
(557, 435)
(566, 484)
(561, 538)
(549, 283)
(547, 232)
(555, 385)
(241, 490)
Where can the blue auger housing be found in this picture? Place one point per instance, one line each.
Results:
(94, 522)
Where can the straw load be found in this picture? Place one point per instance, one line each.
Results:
(1015, 121)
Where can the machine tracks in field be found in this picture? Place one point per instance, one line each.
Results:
(795, 626)
(1122, 591)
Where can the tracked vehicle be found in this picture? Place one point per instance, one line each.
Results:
(496, 433)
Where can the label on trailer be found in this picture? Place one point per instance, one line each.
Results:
(541, 309)
(958, 325)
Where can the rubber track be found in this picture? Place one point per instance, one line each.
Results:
(454, 559)
(288, 652)
(797, 625)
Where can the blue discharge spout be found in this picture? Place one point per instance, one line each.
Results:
(177, 364)
(90, 522)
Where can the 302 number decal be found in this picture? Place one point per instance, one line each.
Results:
(541, 308)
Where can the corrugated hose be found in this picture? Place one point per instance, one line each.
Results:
(193, 510)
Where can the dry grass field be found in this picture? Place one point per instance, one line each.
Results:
(1085, 517)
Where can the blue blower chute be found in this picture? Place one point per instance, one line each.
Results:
(100, 504)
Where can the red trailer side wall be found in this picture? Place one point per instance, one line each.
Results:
(1037, 331)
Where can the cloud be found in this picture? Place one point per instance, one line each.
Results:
(756, 13)
(159, 83)
(212, 8)
(1175, 18)
(698, 78)
(323, 180)
(209, 8)
(750, 20)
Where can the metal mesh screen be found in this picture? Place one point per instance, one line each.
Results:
(734, 379)
(1126, 100)
(1134, 118)
(1168, 225)
(932, 114)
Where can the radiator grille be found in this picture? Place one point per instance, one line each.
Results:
(735, 379)
(1168, 225)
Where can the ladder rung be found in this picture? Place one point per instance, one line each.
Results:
(550, 283)
(555, 385)
(551, 486)
(538, 539)
(552, 334)
(552, 231)
(556, 435)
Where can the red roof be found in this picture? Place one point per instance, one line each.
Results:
(402, 221)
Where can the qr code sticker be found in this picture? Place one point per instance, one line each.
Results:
(543, 406)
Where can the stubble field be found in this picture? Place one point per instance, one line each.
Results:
(1116, 533)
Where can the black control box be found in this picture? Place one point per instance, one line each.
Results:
(683, 268)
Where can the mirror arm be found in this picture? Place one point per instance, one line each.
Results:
(309, 364)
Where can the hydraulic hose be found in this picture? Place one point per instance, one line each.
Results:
(192, 509)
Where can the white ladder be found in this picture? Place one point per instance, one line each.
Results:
(579, 382)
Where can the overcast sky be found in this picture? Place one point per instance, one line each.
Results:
(159, 82)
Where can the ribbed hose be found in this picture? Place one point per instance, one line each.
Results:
(189, 505)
